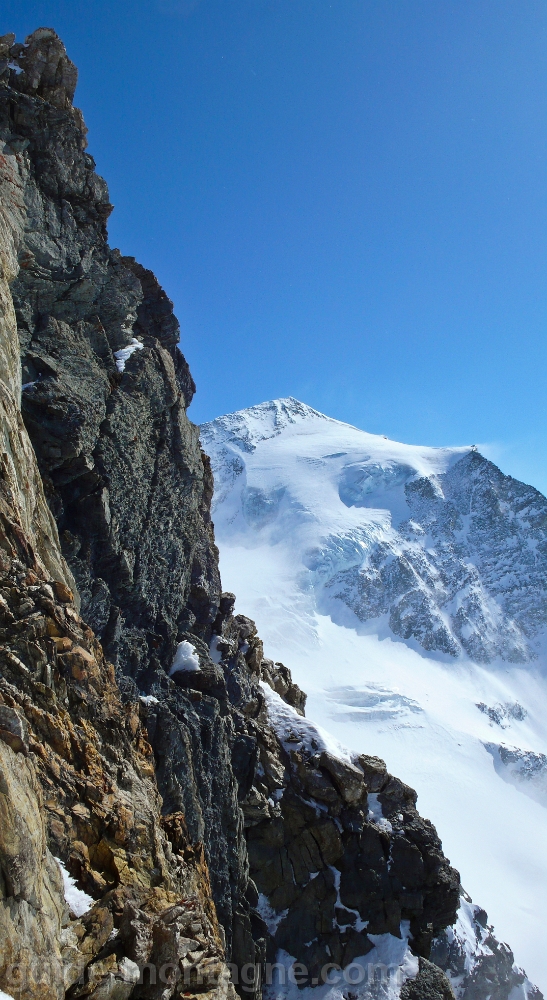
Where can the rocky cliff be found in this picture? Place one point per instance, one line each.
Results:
(153, 762)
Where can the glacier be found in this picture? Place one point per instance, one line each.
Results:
(406, 588)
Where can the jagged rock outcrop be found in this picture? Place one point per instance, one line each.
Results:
(138, 736)
(120, 461)
(117, 453)
(278, 676)
(77, 774)
(77, 771)
(429, 984)
(337, 849)
(476, 963)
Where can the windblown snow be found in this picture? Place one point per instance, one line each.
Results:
(406, 588)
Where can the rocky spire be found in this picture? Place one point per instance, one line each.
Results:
(40, 67)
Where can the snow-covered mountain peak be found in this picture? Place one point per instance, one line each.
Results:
(246, 428)
(434, 545)
(293, 419)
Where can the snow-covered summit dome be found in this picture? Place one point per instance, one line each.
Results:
(248, 427)
(436, 545)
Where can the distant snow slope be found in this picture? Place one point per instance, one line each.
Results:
(406, 587)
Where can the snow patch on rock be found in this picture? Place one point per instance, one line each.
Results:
(295, 732)
(148, 699)
(375, 814)
(186, 659)
(78, 900)
(272, 918)
(123, 355)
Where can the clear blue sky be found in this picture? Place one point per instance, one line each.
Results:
(346, 201)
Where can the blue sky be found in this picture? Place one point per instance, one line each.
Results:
(346, 201)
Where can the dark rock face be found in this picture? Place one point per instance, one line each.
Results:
(40, 68)
(429, 984)
(337, 850)
(120, 460)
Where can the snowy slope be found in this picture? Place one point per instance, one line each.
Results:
(406, 587)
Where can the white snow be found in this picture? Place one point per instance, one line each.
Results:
(186, 659)
(125, 353)
(272, 918)
(375, 814)
(278, 470)
(465, 931)
(78, 900)
(296, 732)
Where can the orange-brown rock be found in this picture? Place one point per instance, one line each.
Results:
(78, 783)
(62, 592)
